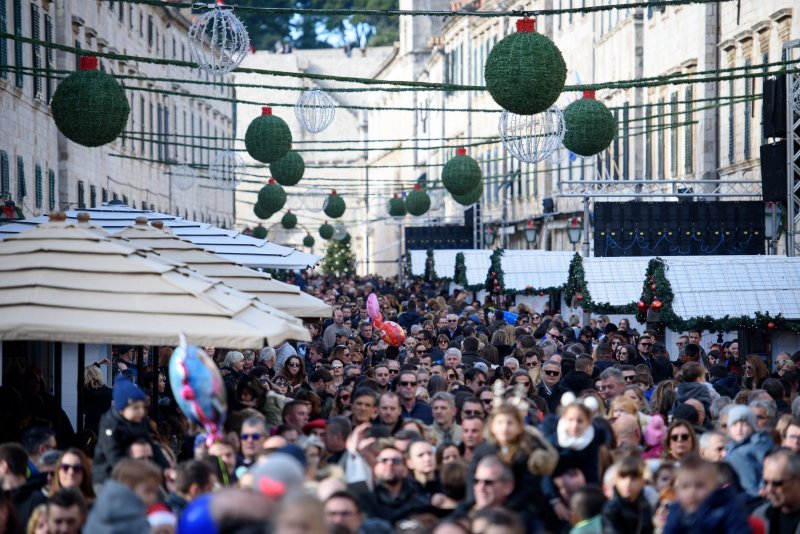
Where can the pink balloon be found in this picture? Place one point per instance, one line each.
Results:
(373, 308)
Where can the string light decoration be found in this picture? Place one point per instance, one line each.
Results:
(525, 72)
(218, 41)
(590, 126)
(268, 137)
(227, 170)
(183, 177)
(461, 174)
(314, 110)
(532, 138)
(90, 107)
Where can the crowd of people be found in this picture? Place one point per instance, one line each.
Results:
(488, 419)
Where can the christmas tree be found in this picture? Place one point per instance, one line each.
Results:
(338, 258)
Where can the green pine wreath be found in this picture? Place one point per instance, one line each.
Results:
(461, 174)
(326, 231)
(590, 127)
(289, 220)
(417, 201)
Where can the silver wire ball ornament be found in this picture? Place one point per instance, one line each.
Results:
(227, 170)
(314, 110)
(532, 138)
(183, 177)
(339, 232)
(218, 41)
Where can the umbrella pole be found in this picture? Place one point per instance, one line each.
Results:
(57, 352)
(154, 399)
(140, 365)
(81, 366)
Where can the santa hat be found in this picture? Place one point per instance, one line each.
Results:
(159, 515)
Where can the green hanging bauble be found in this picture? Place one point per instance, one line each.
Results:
(260, 212)
(470, 198)
(260, 232)
(289, 169)
(268, 137)
(89, 107)
(525, 72)
(308, 241)
(289, 220)
(326, 231)
(461, 174)
(590, 126)
(397, 208)
(334, 205)
(417, 201)
(272, 197)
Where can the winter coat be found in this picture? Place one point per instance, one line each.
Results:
(115, 435)
(622, 516)
(117, 511)
(723, 512)
(97, 401)
(381, 504)
(746, 457)
(693, 390)
(587, 459)
(770, 515)
(27, 497)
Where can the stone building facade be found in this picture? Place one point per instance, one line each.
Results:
(42, 170)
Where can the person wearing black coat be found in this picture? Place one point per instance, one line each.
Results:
(628, 511)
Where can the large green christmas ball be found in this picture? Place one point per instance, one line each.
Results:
(461, 174)
(334, 206)
(272, 197)
(590, 126)
(525, 72)
(326, 231)
(397, 208)
(268, 137)
(308, 241)
(89, 107)
(418, 202)
(289, 220)
(289, 169)
(260, 232)
(470, 198)
(261, 213)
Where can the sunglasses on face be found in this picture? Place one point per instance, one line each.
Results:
(393, 461)
(679, 437)
(472, 413)
(407, 384)
(294, 364)
(486, 401)
(523, 383)
(255, 437)
(629, 378)
(646, 344)
(451, 375)
(75, 468)
(394, 371)
(552, 373)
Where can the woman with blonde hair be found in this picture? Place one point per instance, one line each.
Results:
(96, 395)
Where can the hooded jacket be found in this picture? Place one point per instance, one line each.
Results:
(746, 457)
(722, 512)
(117, 511)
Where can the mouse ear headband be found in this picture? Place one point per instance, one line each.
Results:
(589, 401)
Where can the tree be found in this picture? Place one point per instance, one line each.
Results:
(338, 258)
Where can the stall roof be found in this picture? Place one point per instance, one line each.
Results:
(615, 281)
(66, 282)
(476, 262)
(285, 297)
(537, 269)
(239, 248)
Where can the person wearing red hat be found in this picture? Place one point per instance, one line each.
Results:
(315, 427)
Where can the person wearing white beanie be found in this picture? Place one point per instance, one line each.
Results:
(747, 448)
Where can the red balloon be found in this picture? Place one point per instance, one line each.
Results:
(389, 331)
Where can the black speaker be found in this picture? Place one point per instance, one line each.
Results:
(773, 171)
(774, 106)
(548, 206)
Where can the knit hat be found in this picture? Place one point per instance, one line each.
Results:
(740, 412)
(278, 475)
(159, 515)
(655, 432)
(126, 392)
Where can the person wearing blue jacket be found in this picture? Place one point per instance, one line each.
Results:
(747, 448)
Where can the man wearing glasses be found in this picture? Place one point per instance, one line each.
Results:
(781, 483)
(406, 388)
(453, 330)
(551, 375)
(251, 439)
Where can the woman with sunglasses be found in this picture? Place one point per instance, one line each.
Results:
(755, 372)
(73, 470)
(294, 371)
(680, 441)
(341, 403)
(626, 354)
(341, 352)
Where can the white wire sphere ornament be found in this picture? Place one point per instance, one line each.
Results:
(314, 110)
(218, 41)
(532, 138)
(227, 170)
(183, 177)
(339, 232)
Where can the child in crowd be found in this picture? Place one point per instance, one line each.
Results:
(703, 505)
(586, 506)
(628, 511)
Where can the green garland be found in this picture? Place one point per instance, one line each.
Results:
(460, 274)
(494, 278)
(407, 265)
(430, 267)
(656, 284)
(576, 285)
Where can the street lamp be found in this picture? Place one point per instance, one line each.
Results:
(530, 231)
(574, 230)
(489, 235)
(773, 214)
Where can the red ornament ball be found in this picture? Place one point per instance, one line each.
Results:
(771, 325)
(579, 296)
(656, 305)
(641, 306)
(653, 287)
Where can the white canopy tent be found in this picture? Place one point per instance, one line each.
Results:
(476, 262)
(239, 248)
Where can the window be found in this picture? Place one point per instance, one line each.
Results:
(150, 31)
(748, 110)
(673, 135)
(51, 189)
(731, 132)
(165, 137)
(121, 14)
(3, 42)
(626, 160)
(688, 140)
(36, 52)
(114, 196)
(142, 127)
(48, 54)
(81, 195)
(39, 186)
(104, 195)
(159, 132)
(19, 79)
(150, 129)
(144, 205)
(21, 189)
(615, 147)
(92, 196)
(5, 175)
(77, 56)
(660, 147)
(125, 199)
